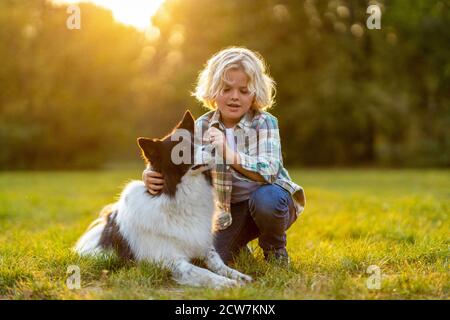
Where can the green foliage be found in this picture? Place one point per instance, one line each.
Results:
(346, 95)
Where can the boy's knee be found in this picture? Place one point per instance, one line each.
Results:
(268, 203)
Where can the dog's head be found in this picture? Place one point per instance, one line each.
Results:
(173, 155)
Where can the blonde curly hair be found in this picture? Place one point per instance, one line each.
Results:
(211, 78)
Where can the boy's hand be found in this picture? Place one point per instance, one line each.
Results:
(217, 139)
(153, 180)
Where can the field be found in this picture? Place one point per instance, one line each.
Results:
(396, 221)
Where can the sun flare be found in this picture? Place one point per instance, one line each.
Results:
(136, 13)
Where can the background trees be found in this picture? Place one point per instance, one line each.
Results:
(346, 95)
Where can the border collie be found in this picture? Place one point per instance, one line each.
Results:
(172, 227)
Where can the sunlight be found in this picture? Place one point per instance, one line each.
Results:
(136, 13)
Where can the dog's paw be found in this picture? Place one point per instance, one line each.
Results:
(225, 283)
(240, 277)
(244, 278)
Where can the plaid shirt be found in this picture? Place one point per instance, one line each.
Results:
(259, 151)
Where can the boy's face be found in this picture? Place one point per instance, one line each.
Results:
(235, 99)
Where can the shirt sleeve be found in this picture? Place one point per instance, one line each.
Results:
(267, 159)
(202, 151)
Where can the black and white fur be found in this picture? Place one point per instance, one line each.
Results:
(171, 228)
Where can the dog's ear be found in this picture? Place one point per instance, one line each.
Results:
(188, 122)
(150, 149)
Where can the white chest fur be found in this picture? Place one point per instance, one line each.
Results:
(163, 227)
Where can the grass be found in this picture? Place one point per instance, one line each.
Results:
(397, 220)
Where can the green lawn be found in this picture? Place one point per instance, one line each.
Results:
(397, 220)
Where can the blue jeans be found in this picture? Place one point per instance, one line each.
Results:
(267, 215)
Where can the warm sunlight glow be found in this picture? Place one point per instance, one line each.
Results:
(136, 13)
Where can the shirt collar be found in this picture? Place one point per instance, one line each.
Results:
(215, 119)
(245, 121)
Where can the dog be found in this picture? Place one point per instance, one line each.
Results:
(171, 228)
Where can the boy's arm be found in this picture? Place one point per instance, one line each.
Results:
(236, 165)
(267, 161)
(265, 165)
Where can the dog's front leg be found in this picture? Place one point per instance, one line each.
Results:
(186, 273)
(216, 264)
